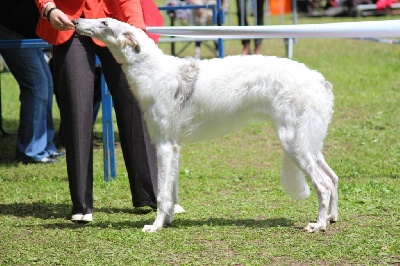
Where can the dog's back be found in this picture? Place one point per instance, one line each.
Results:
(231, 92)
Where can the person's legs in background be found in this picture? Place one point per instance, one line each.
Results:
(200, 19)
(197, 52)
(51, 148)
(259, 22)
(242, 18)
(36, 129)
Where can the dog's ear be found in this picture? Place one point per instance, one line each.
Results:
(131, 40)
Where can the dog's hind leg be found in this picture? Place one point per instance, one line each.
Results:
(324, 188)
(168, 171)
(303, 154)
(333, 215)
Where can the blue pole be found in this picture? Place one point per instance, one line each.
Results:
(220, 21)
(108, 130)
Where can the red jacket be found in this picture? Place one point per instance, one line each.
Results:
(129, 11)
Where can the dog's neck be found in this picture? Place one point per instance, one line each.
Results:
(146, 66)
(136, 64)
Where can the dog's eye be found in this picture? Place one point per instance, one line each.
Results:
(104, 23)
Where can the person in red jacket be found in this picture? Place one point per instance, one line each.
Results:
(74, 70)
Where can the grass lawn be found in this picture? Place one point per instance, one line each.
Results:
(237, 213)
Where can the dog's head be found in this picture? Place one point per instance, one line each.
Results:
(110, 31)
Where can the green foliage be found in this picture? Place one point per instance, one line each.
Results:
(237, 213)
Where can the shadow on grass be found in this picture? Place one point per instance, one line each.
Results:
(184, 220)
(41, 210)
(177, 224)
(189, 223)
(265, 223)
(46, 210)
(51, 211)
(7, 147)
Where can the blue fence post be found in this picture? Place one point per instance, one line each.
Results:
(220, 21)
(108, 129)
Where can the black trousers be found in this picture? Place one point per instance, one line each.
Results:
(242, 16)
(74, 69)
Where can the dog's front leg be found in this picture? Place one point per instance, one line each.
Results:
(168, 171)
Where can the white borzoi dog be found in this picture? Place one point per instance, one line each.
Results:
(186, 100)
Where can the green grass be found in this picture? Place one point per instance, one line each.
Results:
(237, 213)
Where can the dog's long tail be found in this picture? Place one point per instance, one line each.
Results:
(293, 180)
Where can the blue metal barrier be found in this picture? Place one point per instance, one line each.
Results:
(108, 129)
(218, 18)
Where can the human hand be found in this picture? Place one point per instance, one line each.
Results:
(60, 21)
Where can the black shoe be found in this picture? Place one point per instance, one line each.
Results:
(57, 154)
(142, 210)
(149, 207)
(46, 160)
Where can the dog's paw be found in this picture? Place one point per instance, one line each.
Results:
(332, 218)
(150, 229)
(178, 209)
(314, 227)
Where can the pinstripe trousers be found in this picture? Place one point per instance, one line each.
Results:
(74, 69)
